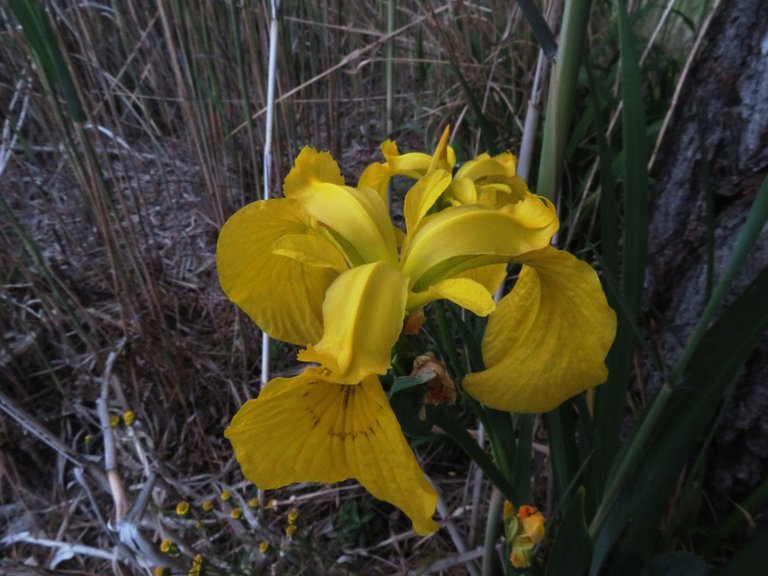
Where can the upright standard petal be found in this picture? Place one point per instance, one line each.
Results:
(363, 316)
(305, 429)
(357, 219)
(414, 165)
(423, 195)
(310, 169)
(548, 339)
(448, 243)
(249, 269)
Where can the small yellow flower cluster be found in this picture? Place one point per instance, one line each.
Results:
(293, 518)
(207, 505)
(197, 566)
(129, 417)
(524, 529)
(167, 546)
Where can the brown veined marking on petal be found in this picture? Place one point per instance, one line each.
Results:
(345, 397)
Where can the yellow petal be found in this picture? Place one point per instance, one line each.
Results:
(483, 166)
(463, 191)
(249, 272)
(548, 338)
(312, 248)
(412, 164)
(376, 176)
(465, 292)
(358, 220)
(310, 169)
(489, 276)
(448, 242)
(363, 316)
(423, 195)
(492, 182)
(305, 429)
(443, 158)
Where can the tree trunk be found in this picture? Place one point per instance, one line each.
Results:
(711, 162)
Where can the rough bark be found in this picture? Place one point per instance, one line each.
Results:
(717, 139)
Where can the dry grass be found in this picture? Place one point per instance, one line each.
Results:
(109, 290)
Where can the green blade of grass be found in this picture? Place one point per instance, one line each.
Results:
(611, 396)
(671, 429)
(752, 559)
(42, 39)
(562, 96)
(539, 27)
(573, 546)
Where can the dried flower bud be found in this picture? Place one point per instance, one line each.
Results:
(440, 389)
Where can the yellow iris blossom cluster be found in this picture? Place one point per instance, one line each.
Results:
(326, 269)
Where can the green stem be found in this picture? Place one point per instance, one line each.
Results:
(562, 96)
(448, 345)
(492, 533)
(632, 458)
(460, 436)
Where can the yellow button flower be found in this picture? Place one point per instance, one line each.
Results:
(182, 508)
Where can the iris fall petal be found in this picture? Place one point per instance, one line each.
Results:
(548, 339)
(305, 429)
(249, 270)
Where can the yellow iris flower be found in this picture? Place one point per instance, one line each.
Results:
(326, 269)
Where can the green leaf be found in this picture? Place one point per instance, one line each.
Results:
(540, 28)
(752, 559)
(406, 382)
(676, 564)
(573, 546)
(678, 422)
(415, 418)
(41, 37)
(635, 164)
(611, 396)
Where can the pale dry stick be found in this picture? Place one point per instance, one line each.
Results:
(447, 563)
(132, 539)
(110, 460)
(267, 160)
(477, 487)
(453, 532)
(531, 120)
(349, 58)
(8, 141)
(65, 547)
